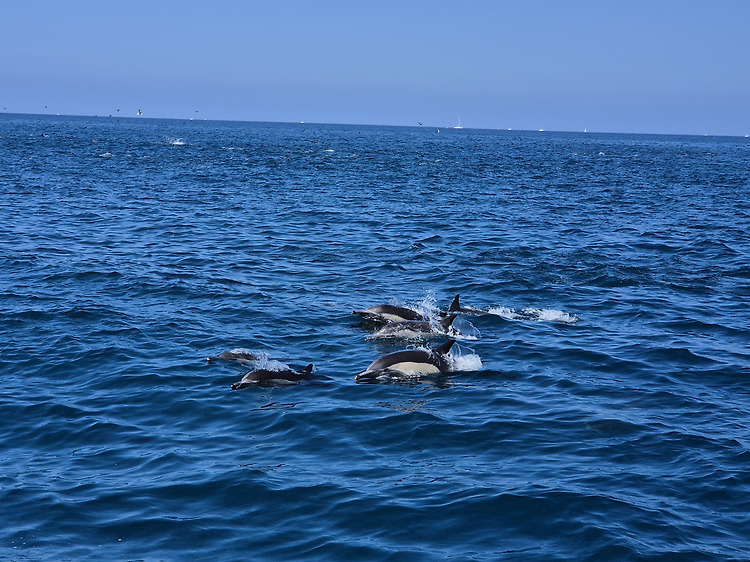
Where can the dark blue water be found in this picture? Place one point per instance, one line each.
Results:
(601, 411)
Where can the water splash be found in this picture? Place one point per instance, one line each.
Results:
(465, 362)
(535, 314)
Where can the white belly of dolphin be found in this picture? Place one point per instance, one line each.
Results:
(412, 367)
(392, 317)
(406, 333)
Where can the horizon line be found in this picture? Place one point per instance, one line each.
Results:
(418, 126)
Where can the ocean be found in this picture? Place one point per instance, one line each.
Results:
(597, 410)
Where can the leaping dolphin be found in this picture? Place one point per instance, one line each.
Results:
(417, 329)
(410, 362)
(389, 313)
(268, 377)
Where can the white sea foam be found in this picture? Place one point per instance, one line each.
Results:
(106, 155)
(463, 337)
(535, 314)
(465, 362)
(427, 307)
(263, 361)
(507, 313)
(176, 142)
(552, 315)
(460, 361)
(271, 365)
(261, 355)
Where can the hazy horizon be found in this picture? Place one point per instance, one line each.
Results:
(426, 126)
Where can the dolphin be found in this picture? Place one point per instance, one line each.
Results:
(241, 356)
(410, 362)
(417, 329)
(458, 309)
(283, 377)
(389, 313)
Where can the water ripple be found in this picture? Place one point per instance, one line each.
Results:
(606, 420)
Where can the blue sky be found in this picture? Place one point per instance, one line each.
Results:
(656, 66)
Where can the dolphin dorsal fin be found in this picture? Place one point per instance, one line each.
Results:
(445, 348)
(454, 307)
(447, 321)
(308, 369)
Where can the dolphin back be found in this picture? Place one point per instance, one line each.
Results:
(389, 313)
(266, 377)
(399, 357)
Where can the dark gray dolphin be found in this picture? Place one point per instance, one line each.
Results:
(417, 329)
(410, 362)
(389, 313)
(241, 356)
(283, 377)
(458, 309)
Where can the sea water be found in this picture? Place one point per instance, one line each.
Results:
(599, 410)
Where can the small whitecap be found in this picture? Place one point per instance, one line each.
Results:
(550, 315)
(507, 313)
(535, 314)
(261, 355)
(271, 365)
(176, 142)
(106, 155)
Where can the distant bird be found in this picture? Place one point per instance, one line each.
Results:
(139, 112)
(419, 122)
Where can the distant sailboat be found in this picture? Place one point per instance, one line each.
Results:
(459, 124)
